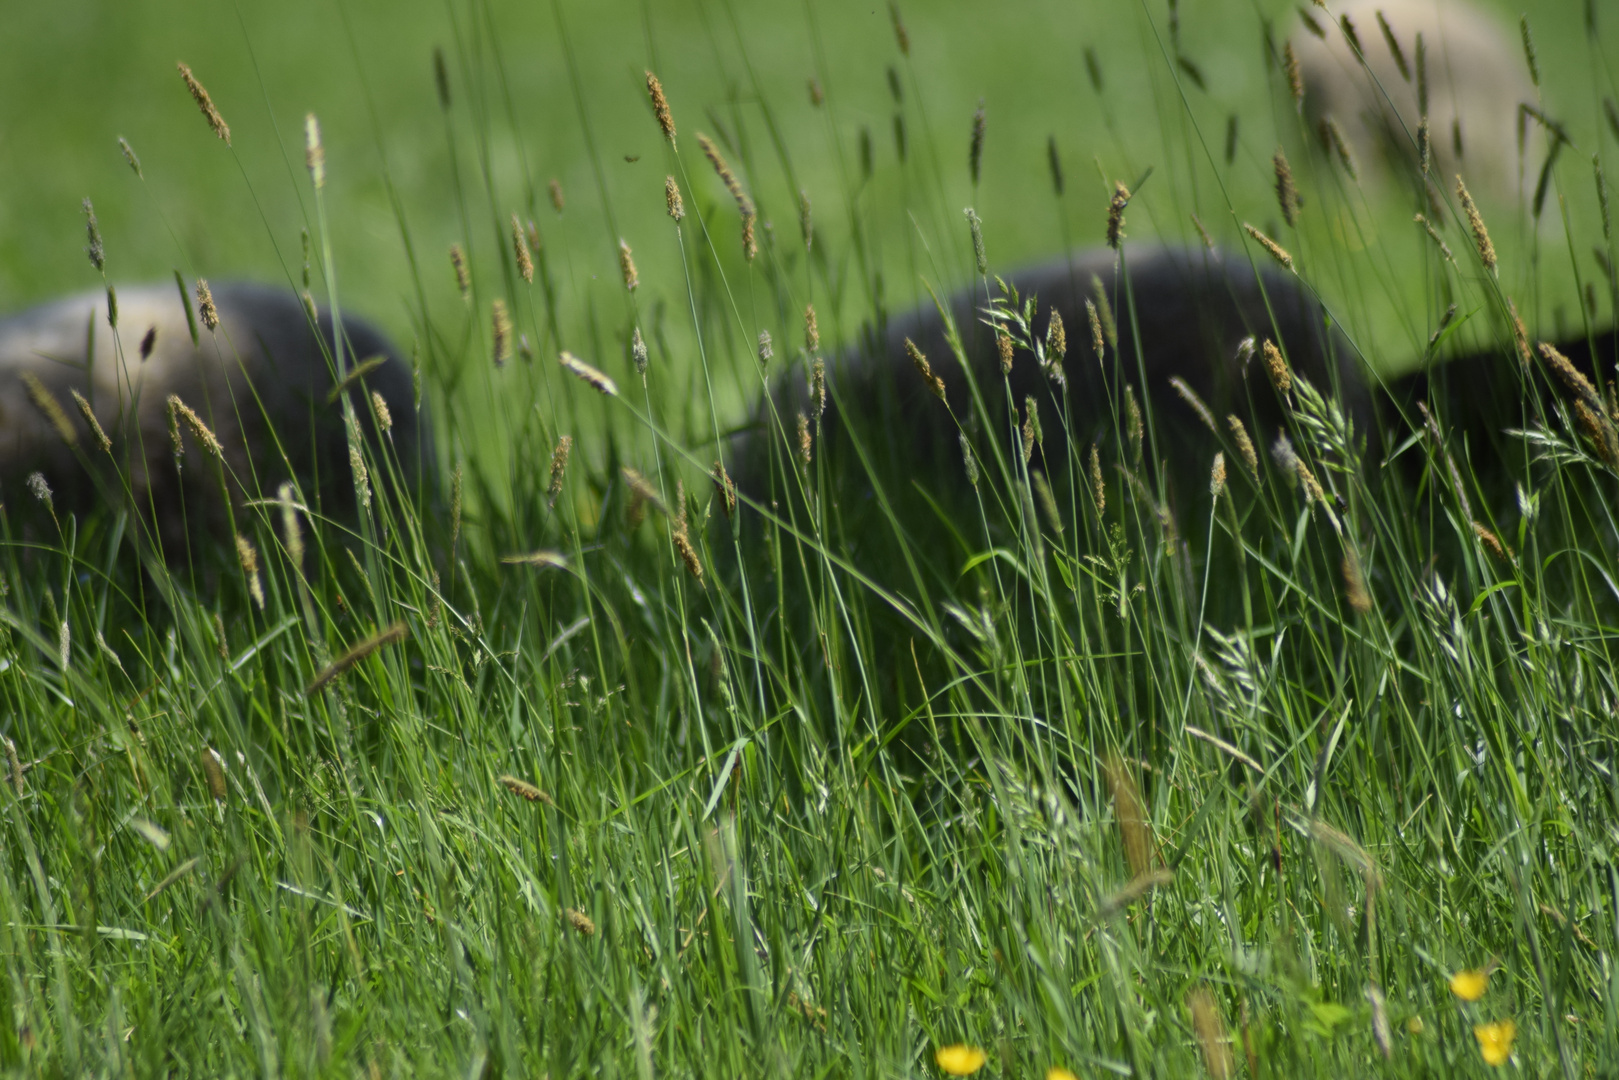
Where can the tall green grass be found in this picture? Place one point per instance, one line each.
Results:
(814, 813)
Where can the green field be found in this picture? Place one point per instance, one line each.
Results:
(1062, 785)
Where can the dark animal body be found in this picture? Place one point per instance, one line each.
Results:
(1181, 313)
(261, 381)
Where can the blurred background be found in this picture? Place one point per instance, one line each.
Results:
(542, 92)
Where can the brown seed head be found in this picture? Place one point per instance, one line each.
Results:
(1115, 214)
(557, 202)
(812, 329)
(660, 107)
(1210, 1032)
(1276, 365)
(179, 410)
(688, 555)
(50, 408)
(1098, 482)
(1332, 135)
(672, 200)
(1491, 542)
(213, 771)
(1208, 241)
(1135, 827)
(806, 223)
(1571, 375)
(1031, 427)
(902, 38)
(90, 419)
(463, 276)
(1286, 191)
(1245, 446)
(559, 466)
(390, 635)
(725, 487)
(1601, 433)
(750, 245)
(1520, 335)
(1003, 349)
(818, 386)
(525, 790)
(205, 103)
(1295, 80)
(1276, 250)
(1475, 221)
(1444, 248)
(249, 558)
(626, 266)
(579, 369)
(805, 440)
(205, 305)
(920, 362)
(500, 327)
(525, 259)
(581, 923)
(1355, 594)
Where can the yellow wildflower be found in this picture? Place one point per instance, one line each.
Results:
(1495, 1040)
(1057, 1072)
(960, 1059)
(1470, 985)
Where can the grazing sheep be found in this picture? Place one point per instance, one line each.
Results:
(260, 380)
(1476, 79)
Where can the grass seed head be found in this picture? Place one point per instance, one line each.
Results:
(1031, 425)
(1188, 395)
(968, 460)
(390, 635)
(595, 379)
(463, 276)
(1529, 49)
(672, 200)
(441, 78)
(362, 476)
(385, 418)
(1276, 364)
(314, 151)
(1135, 424)
(213, 772)
(1115, 214)
(520, 249)
(1355, 593)
(1095, 320)
(559, 466)
(1046, 500)
(1003, 349)
(94, 424)
(767, 348)
(660, 107)
(920, 362)
(1245, 445)
(750, 243)
(248, 556)
(205, 103)
(1056, 336)
(500, 330)
(292, 533)
(525, 790)
(1287, 193)
(638, 352)
(805, 440)
(1600, 431)
(1394, 47)
(1098, 481)
(1475, 221)
(1208, 241)
(1333, 138)
(205, 305)
(1054, 161)
(806, 222)
(975, 148)
(1217, 475)
(1276, 250)
(725, 487)
(129, 156)
(1572, 377)
(1444, 248)
(626, 266)
(50, 408)
(178, 411)
(40, 489)
(976, 227)
(812, 330)
(1520, 335)
(818, 386)
(1135, 828)
(1210, 1032)
(93, 248)
(901, 37)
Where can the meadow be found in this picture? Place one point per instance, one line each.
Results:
(558, 765)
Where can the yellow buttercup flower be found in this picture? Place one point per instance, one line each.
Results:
(1495, 1040)
(1470, 985)
(960, 1059)
(1057, 1072)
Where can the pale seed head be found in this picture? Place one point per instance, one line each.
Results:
(206, 104)
(672, 200)
(520, 249)
(660, 107)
